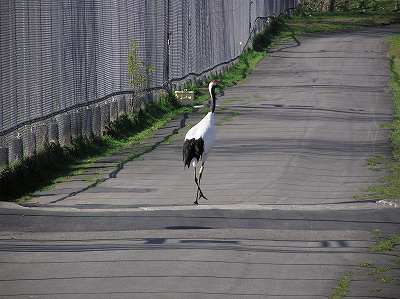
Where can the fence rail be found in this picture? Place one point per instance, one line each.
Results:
(59, 59)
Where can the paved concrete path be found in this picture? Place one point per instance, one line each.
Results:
(281, 221)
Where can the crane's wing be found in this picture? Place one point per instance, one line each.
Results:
(192, 149)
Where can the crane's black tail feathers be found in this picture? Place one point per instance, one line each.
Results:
(192, 149)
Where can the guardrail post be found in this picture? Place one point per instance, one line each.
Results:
(53, 133)
(131, 104)
(66, 130)
(105, 116)
(16, 149)
(87, 123)
(42, 137)
(97, 121)
(114, 110)
(30, 148)
(3, 157)
(76, 125)
(122, 105)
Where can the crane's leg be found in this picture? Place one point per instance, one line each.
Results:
(199, 192)
(195, 179)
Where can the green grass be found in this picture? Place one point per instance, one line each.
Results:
(331, 22)
(247, 61)
(310, 19)
(39, 171)
(342, 287)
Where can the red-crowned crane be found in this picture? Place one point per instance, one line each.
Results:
(199, 140)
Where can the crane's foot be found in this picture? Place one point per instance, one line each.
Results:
(203, 196)
(196, 203)
(200, 194)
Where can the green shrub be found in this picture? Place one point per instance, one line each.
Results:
(264, 39)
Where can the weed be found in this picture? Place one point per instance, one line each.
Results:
(138, 72)
(379, 273)
(366, 265)
(385, 279)
(342, 287)
(375, 162)
(386, 243)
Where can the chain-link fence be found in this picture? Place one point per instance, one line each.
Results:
(63, 64)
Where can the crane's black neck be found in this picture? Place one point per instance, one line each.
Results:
(213, 99)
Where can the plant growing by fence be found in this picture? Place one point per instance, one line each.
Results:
(138, 72)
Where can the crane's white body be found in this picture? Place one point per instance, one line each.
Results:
(205, 129)
(199, 141)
